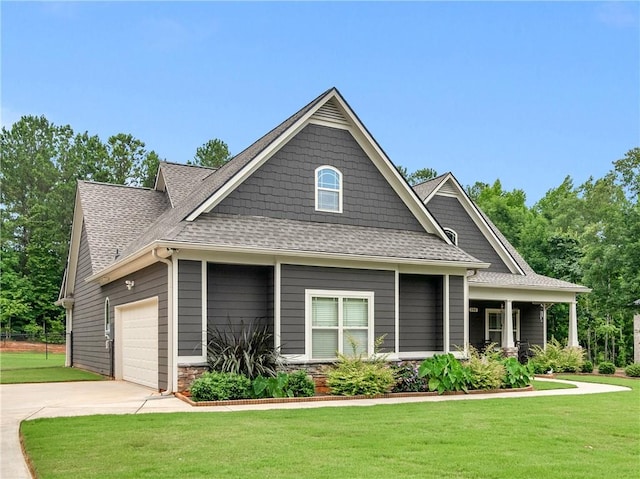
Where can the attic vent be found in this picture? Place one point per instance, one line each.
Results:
(447, 189)
(330, 112)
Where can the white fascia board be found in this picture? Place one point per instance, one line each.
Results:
(69, 283)
(258, 161)
(472, 210)
(129, 264)
(524, 294)
(391, 174)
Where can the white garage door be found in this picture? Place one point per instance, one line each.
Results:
(138, 351)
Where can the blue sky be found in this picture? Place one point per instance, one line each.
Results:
(524, 92)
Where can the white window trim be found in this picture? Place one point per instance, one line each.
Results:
(314, 293)
(108, 320)
(515, 311)
(454, 240)
(318, 188)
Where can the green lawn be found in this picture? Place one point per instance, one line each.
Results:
(545, 385)
(39, 368)
(590, 436)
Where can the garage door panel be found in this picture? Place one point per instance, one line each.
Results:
(139, 348)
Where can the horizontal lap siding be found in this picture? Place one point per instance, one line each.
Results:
(296, 279)
(189, 308)
(456, 312)
(149, 282)
(89, 350)
(531, 327)
(420, 313)
(239, 294)
(284, 187)
(450, 214)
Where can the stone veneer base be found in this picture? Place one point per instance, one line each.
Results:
(241, 402)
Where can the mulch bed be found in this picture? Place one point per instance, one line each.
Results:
(24, 347)
(327, 397)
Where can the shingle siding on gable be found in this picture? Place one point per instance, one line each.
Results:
(295, 279)
(420, 313)
(448, 211)
(284, 187)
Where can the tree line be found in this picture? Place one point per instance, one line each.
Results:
(587, 234)
(41, 163)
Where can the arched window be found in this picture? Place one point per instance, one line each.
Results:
(328, 189)
(452, 235)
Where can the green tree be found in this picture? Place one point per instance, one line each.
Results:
(213, 154)
(418, 176)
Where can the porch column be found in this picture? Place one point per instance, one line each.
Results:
(573, 326)
(508, 345)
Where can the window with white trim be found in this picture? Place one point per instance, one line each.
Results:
(335, 320)
(107, 318)
(328, 189)
(452, 235)
(493, 327)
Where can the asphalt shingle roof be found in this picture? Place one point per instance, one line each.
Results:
(181, 180)
(302, 236)
(115, 215)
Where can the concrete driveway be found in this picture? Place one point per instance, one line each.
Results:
(19, 402)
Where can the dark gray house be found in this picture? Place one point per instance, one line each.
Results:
(313, 230)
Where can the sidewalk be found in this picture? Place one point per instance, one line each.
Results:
(19, 402)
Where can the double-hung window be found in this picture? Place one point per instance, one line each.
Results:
(337, 321)
(494, 324)
(328, 189)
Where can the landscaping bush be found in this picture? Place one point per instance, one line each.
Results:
(587, 367)
(516, 375)
(248, 350)
(300, 384)
(296, 384)
(408, 379)
(606, 367)
(633, 370)
(445, 373)
(556, 358)
(218, 386)
(355, 375)
(487, 370)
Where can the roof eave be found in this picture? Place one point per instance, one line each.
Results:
(576, 289)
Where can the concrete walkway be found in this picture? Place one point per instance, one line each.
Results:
(19, 402)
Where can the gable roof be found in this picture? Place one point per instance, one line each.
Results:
(179, 180)
(524, 276)
(114, 215)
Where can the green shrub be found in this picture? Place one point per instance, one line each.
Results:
(587, 367)
(445, 373)
(355, 375)
(487, 370)
(606, 367)
(247, 349)
(218, 386)
(516, 375)
(297, 384)
(556, 358)
(408, 379)
(633, 370)
(300, 384)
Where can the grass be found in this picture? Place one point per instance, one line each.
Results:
(546, 385)
(590, 436)
(19, 367)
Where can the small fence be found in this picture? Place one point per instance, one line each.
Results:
(24, 342)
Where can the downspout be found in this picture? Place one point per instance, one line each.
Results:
(170, 329)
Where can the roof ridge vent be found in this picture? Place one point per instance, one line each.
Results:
(330, 113)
